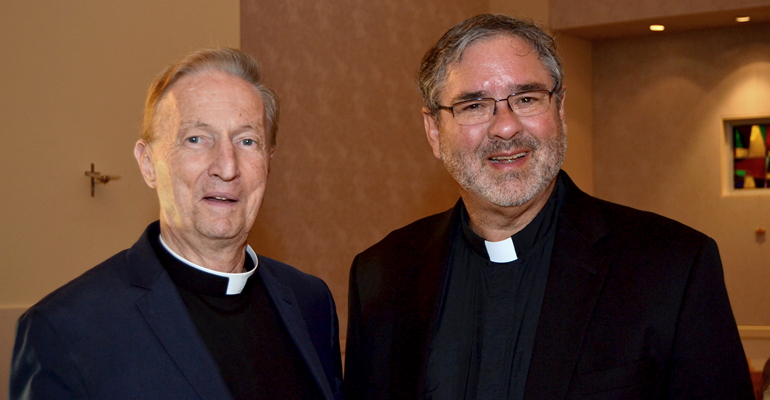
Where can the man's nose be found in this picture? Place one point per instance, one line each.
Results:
(225, 161)
(505, 123)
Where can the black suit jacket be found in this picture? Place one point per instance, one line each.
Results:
(121, 331)
(635, 307)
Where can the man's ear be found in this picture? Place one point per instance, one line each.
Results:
(270, 153)
(561, 102)
(431, 131)
(143, 155)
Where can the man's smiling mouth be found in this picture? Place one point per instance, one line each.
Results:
(507, 159)
(218, 198)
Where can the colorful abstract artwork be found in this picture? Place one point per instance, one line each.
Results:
(751, 156)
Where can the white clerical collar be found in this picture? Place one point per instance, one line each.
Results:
(502, 251)
(235, 281)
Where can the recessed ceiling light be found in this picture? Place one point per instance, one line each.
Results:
(743, 19)
(657, 28)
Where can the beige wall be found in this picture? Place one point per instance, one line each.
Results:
(660, 146)
(74, 75)
(537, 10)
(580, 13)
(577, 57)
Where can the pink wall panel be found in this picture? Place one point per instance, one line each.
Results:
(352, 161)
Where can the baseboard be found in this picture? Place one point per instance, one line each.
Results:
(754, 331)
(756, 344)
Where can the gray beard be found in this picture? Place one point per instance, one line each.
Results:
(513, 188)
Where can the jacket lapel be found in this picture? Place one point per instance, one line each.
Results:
(423, 285)
(575, 279)
(167, 316)
(291, 315)
(181, 340)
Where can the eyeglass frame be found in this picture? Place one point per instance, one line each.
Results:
(494, 110)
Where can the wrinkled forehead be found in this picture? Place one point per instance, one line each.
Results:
(209, 97)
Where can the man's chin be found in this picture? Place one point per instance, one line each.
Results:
(220, 230)
(510, 193)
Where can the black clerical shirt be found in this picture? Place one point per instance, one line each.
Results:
(486, 327)
(243, 333)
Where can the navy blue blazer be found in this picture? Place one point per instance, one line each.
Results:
(635, 307)
(121, 331)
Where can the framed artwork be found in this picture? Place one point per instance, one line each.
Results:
(750, 150)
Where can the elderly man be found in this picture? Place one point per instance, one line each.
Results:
(190, 311)
(529, 288)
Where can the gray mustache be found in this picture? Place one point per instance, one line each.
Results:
(499, 145)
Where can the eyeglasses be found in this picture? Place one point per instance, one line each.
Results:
(479, 111)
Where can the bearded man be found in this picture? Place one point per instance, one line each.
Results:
(529, 288)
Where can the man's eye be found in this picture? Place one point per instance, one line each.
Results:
(248, 142)
(194, 139)
(529, 100)
(472, 107)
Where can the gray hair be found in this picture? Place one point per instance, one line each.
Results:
(450, 48)
(227, 60)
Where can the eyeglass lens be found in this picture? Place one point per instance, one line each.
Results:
(479, 111)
